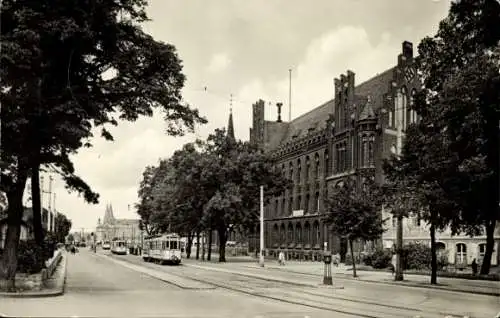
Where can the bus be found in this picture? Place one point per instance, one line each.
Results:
(162, 249)
(119, 247)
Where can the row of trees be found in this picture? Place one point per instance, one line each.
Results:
(447, 172)
(68, 67)
(208, 186)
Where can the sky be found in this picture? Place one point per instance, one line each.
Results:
(245, 49)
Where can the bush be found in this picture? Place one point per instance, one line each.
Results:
(348, 259)
(381, 259)
(416, 256)
(30, 257)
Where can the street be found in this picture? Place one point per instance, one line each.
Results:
(97, 287)
(104, 285)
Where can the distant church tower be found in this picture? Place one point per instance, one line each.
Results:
(230, 126)
(108, 215)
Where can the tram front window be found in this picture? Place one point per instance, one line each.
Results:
(173, 245)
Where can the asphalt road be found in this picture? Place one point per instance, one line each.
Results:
(98, 287)
(357, 297)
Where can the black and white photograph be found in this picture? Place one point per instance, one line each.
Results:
(250, 159)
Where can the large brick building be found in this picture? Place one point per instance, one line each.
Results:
(348, 134)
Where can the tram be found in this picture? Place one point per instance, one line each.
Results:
(119, 247)
(162, 249)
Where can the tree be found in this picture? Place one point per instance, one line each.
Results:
(62, 227)
(237, 170)
(465, 53)
(354, 211)
(415, 184)
(54, 92)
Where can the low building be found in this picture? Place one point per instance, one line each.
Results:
(460, 250)
(111, 228)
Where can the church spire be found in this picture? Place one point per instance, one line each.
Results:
(230, 126)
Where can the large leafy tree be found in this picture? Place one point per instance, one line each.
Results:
(68, 67)
(240, 168)
(354, 211)
(461, 106)
(412, 189)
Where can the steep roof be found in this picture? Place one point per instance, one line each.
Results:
(316, 118)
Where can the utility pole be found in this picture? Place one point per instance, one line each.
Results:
(261, 258)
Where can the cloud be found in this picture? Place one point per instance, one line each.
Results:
(218, 63)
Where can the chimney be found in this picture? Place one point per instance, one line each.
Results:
(407, 49)
(279, 105)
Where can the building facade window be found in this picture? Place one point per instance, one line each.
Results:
(316, 166)
(308, 164)
(461, 253)
(306, 205)
(290, 233)
(299, 171)
(327, 163)
(316, 202)
(298, 238)
(371, 151)
(299, 202)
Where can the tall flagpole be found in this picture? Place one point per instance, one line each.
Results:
(261, 258)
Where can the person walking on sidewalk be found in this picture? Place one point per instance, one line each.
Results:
(281, 258)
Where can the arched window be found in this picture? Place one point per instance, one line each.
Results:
(306, 205)
(298, 238)
(299, 171)
(290, 171)
(282, 234)
(276, 234)
(299, 202)
(308, 163)
(290, 233)
(316, 202)
(399, 109)
(283, 207)
(327, 163)
(404, 107)
(307, 233)
(316, 236)
(316, 166)
(364, 151)
(371, 142)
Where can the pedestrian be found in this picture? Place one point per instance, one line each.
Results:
(393, 264)
(281, 258)
(474, 267)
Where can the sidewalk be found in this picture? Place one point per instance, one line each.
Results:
(54, 286)
(489, 288)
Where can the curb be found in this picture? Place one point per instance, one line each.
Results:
(413, 285)
(59, 291)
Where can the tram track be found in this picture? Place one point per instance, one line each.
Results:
(290, 293)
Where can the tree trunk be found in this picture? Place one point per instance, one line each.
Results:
(353, 260)
(399, 249)
(490, 244)
(209, 252)
(36, 204)
(198, 245)
(433, 255)
(203, 239)
(189, 245)
(8, 263)
(222, 244)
